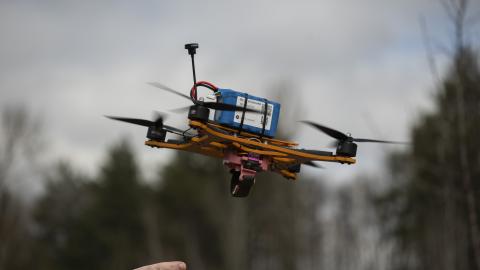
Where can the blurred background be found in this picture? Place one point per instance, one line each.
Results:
(78, 191)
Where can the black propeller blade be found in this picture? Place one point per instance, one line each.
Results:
(329, 131)
(344, 137)
(168, 89)
(158, 122)
(377, 141)
(158, 118)
(135, 121)
(180, 110)
(210, 105)
(313, 164)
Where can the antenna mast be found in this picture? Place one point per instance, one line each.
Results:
(192, 50)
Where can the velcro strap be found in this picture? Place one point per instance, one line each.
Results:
(264, 117)
(243, 112)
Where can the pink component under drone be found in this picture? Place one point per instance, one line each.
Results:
(247, 165)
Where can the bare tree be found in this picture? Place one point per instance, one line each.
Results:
(20, 139)
(457, 10)
(19, 142)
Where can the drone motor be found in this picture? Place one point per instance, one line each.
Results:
(199, 113)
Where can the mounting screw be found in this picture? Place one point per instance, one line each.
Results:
(192, 48)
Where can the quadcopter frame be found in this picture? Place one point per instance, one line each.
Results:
(239, 150)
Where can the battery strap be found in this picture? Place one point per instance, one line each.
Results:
(243, 112)
(264, 117)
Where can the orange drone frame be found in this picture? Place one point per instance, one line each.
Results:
(220, 142)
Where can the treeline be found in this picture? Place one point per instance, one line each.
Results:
(432, 209)
(118, 221)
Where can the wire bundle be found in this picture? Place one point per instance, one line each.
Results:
(193, 91)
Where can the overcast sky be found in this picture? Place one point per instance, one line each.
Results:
(358, 66)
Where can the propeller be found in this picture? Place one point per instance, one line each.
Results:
(313, 164)
(180, 110)
(210, 105)
(168, 89)
(340, 136)
(157, 122)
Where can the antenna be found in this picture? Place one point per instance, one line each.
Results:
(192, 50)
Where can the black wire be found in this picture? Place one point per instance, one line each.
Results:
(183, 134)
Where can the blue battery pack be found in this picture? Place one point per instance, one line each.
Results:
(248, 121)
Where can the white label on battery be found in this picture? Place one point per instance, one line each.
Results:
(251, 118)
(208, 97)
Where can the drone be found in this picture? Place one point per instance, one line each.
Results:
(240, 129)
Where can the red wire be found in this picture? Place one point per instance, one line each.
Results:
(193, 91)
(209, 84)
